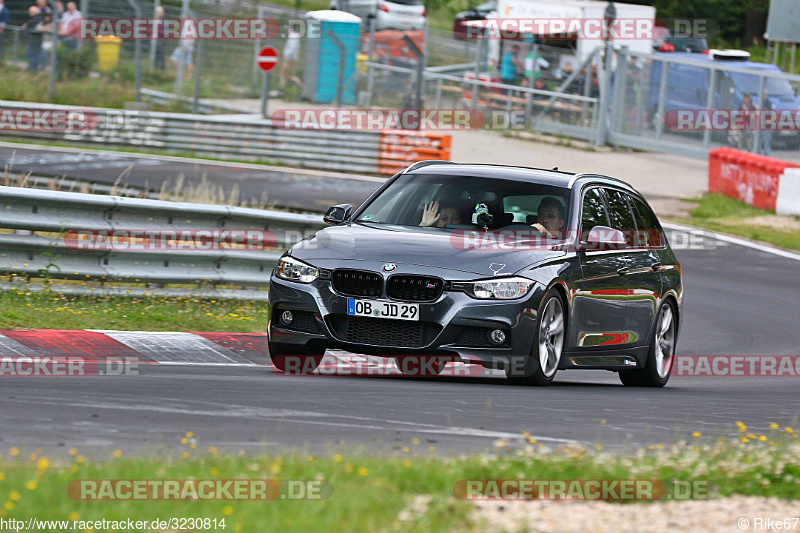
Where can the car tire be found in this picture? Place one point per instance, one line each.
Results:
(550, 333)
(660, 355)
(294, 360)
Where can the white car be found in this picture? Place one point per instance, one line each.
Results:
(395, 15)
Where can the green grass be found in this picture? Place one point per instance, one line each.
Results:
(718, 212)
(32, 310)
(369, 492)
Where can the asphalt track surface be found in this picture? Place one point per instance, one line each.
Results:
(738, 301)
(280, 185)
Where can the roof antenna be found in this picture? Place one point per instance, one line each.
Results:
(555, 168)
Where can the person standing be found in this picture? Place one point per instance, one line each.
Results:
(5, 14)
(33, 38)
(68, 25)
(290, 53)
(161, 42)
(510, 67)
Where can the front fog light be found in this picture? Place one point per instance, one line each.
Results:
(287, 317)
(497, 336)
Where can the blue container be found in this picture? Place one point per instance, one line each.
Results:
(322, 56)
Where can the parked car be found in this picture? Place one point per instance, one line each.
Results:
(665, 41)
(527, 270)
(479, 12)
(389, 15)
(688, 85)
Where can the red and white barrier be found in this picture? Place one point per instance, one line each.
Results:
(757, 180)
(788, 201)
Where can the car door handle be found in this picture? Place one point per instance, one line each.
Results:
(624, 270)
(656, 266)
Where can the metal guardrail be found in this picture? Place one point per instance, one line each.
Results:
(25, 254)
(237, 137)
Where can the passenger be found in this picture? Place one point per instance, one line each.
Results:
(431, 216)
(550, 217)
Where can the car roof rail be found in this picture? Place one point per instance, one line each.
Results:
(420, 164)
(580, 175)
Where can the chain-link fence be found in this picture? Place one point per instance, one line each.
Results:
(681, 103)
(693, 103)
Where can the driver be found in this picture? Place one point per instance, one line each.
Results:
(432, 216)
(550, 217)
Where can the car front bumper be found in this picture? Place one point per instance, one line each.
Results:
(454, 325)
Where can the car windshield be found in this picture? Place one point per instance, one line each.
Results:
(686, 44)
(748, 83)
(457, 202)
(406, 2)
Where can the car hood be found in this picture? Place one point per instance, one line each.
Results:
(409, 248)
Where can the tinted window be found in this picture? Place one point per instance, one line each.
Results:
(620, 214)
(649, 233)
(593, 212)
(507, 201)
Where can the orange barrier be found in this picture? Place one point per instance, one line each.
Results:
(751, 178)
(400, 148)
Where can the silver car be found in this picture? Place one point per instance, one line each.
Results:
(396, 15)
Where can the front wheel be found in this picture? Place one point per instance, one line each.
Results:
(542, 363)
(294, 360)
(661, 354)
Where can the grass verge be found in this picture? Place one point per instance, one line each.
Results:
(32, 310)
(718, 212)
(372, 493)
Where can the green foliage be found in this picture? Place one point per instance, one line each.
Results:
(75, 64)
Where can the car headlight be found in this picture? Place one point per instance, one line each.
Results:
(499, 289)
(293, 270)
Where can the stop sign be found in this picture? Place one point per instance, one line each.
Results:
(267, 58)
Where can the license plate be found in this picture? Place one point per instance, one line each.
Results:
(377, 309)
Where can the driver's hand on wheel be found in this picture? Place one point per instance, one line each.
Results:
(543, 230)
(430, 215)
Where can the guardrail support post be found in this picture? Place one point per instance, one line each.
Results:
(709, 104)
(605, 101)
(760, 114)
(662, 96)
(340, 75)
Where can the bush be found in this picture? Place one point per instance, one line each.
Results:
(74, 64)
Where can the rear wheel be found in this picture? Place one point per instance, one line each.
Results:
(291, 359)
(542, 363)
(661, 355)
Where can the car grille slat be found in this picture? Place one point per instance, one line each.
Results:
(359, 283)
(383, 332)
(414, 288)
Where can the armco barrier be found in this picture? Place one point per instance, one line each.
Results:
(243, 137)
(49, 255)
(752, 178)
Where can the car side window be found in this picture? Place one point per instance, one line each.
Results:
(650, 233)
(593, 212)
(620, 214)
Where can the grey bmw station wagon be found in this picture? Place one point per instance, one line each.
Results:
(526, 270)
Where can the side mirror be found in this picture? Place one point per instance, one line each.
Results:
(338, 214)
(604, 238)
